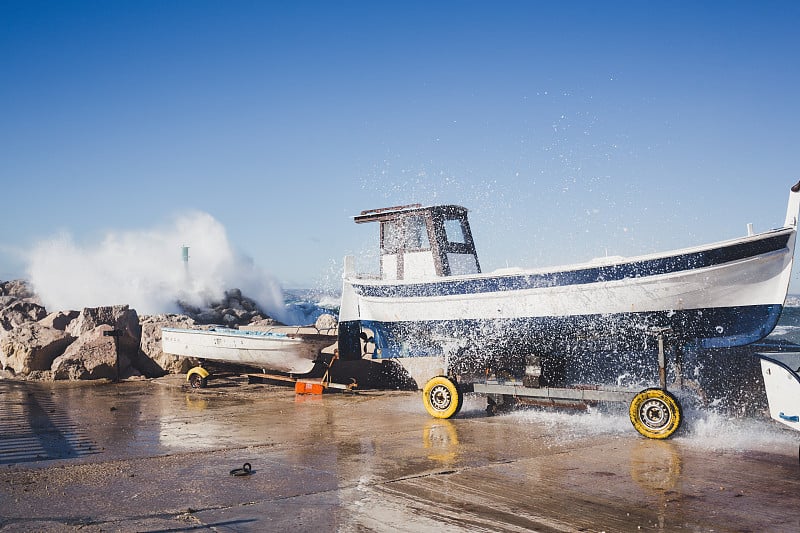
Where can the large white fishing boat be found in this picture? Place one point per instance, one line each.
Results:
(434, 311)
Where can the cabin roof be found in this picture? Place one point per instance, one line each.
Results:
(389, 213)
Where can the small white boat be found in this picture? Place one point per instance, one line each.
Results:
(434, 311)
(781, 373)
(282, 348)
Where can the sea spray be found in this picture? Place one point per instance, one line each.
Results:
(718, 431)
(701, 428)
(145, 269)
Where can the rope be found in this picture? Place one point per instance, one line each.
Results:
(245, 470)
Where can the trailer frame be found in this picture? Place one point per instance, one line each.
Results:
(654, 412)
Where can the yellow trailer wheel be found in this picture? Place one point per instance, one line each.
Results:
(655, 413)
(197, 377)
(441, 397)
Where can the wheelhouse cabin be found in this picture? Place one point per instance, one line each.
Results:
(423, 242)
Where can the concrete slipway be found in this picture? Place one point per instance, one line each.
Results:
(155, 456)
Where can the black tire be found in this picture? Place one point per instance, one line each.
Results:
(196, 381)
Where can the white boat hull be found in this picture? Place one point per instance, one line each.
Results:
(279, 351)
(728, 304)
(755, 280)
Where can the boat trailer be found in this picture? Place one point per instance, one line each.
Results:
(654, 412)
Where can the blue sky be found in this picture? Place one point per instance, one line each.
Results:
(570, 129)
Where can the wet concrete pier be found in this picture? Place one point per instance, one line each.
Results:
(154, 456)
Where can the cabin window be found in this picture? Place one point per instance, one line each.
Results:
(410, 233)
(417, 233)
(454, 231)
(391, 237)
(461, 264)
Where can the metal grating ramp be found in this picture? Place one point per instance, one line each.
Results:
(33, 428)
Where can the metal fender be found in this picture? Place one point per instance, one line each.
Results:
(197, 377)
(202, 372)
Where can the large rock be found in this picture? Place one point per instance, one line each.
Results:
(31, 347)
(17, 288)
(59, 319)
(17, 312)
(18, 305)
(263, 324)
(327, 324)
(93, 356)
(234, 310)
(119, 317)
(152, 361)
(209, 316)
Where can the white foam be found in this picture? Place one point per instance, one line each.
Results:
(717, 431)
(144, 269)
(701, 428)
(572, 425)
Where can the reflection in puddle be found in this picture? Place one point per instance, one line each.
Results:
(307, 399)
(440, 440)
(196, 404)
(655, 465)
(193, 425)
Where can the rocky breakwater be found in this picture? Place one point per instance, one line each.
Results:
(111, 342)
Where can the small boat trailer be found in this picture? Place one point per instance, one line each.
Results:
(197, 378)
(654, 412)
(305, 385)
(302, 385)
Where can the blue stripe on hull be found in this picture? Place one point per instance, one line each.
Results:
(635, 269)
(703, 328)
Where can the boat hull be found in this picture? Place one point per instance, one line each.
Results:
(274, 350)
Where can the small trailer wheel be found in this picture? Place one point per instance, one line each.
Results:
(441, 397)
(197, 377)
(655, 413)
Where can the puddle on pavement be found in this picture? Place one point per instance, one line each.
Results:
(43, 422)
